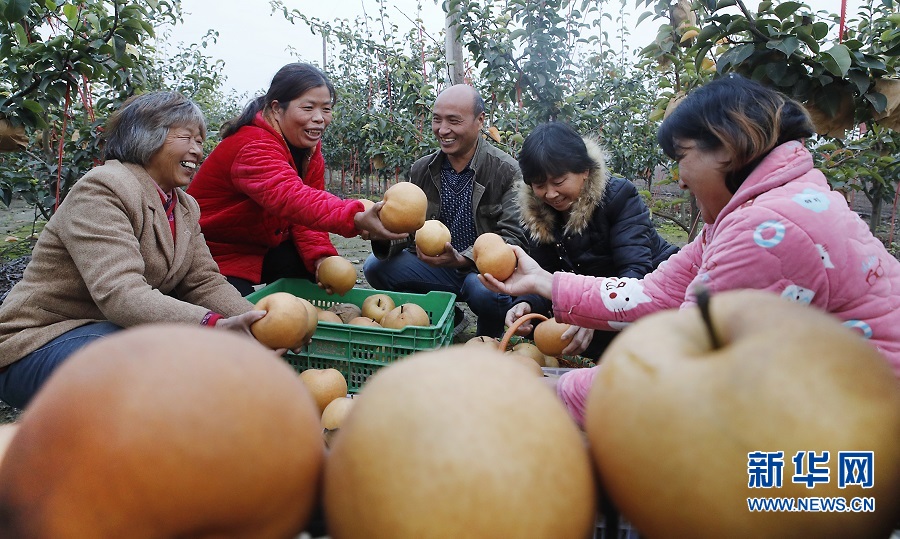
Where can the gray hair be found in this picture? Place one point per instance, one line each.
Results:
(138, 130)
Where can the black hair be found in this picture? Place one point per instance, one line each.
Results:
(478, 105)
(552, 150)
(738, 114)
(289, 83)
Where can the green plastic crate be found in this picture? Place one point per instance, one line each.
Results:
(359, 351)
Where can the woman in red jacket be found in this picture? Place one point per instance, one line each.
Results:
(263, 207)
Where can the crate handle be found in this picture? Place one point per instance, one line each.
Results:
(512, 329)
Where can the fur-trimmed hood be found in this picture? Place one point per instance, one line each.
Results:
(539, 218)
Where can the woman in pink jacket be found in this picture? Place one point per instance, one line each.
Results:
(263, 207)
(771, 223)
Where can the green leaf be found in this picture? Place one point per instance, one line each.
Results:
(781, 74)
(871, 62)
(786, 9)
(820, 30)
(829, 102)
(737, 25)
(708, 32)
(71, 13)
(734, 56)
(860, 79)
(853, 44)
(837, 60)
(878, 101)
(21, 36)
(808, 38)
(16, 10)
(701, 55)
(776, 71)
(119, 45)
(787, 46)
(148, 27)
(33, 106)
(84, 69)
(890, 35)
(133, 23)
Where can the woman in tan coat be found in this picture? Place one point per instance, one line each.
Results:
(123, 249)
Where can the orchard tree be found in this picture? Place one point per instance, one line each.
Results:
(55, 59)
(67, 66)
(187, 69)
(844, 71)
(564, 60)
(388, 81)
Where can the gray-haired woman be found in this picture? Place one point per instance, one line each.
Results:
(123, 249)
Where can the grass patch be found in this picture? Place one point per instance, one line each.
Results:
(26, 237)
(672, 233)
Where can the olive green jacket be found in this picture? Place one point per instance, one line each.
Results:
(495, 206)
(108, 254)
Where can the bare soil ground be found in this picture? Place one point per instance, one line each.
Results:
(18, 215)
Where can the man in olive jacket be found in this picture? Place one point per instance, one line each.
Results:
(471, 187)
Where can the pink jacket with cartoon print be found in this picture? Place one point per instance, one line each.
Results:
(784, 231)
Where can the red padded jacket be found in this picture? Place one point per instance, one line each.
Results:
(252, 199)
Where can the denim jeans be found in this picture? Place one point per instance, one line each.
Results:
(23, 378)
(404, 272)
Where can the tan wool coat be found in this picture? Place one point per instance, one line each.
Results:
(108, 254)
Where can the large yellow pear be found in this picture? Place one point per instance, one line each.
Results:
(433, 237)
(405, 207)
(286, 323)
(338, 274)
(683, 433)
(493, 255)
(461, 442)
(165, 431)
(548, 337)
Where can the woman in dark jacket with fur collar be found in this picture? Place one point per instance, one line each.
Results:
(581, 220)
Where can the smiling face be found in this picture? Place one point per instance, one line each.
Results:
(455, 124)
(703, 173)
(303, 120)
(175, 162)
(561, 192)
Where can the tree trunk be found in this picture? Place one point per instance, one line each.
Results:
(455, 71)
(695, 219)
(875, 219)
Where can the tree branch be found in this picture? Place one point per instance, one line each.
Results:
(674, 219)
(753, 29)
